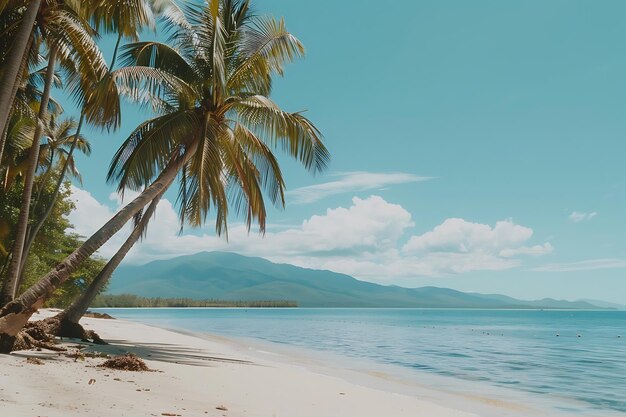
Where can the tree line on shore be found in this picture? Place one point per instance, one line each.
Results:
(211, 131)
(131, 300)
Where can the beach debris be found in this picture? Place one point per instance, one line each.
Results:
(34, 361)
(91, 381)
(221, 408)
(80, 356)
(77, 356)
(171, 414)
(127, 362)
(96, 315)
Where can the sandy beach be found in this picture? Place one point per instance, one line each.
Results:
(197, 376)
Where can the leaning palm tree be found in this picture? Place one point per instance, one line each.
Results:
(69, 39)
(65, 324)
(216, 127)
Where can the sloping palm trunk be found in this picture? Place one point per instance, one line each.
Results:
(75, 312)
(14, 315)
(10, 285)
(13, 64)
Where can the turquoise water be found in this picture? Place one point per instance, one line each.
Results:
(586, 362)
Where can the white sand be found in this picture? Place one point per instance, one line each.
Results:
(195, 376)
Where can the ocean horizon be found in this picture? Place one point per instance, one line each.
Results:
(570, 361)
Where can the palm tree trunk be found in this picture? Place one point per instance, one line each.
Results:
(42, 181)
(10, 285)
(78, 308)
(34, 230)
(13, 64)
(14, 315)
(16, 86)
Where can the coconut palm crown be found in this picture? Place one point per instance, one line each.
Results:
(209, 87)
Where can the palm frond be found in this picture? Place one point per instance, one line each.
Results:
(157, 55)
(125, 17)
(205, 182)
(101, 104)
(149, 147)
(244, 189)
(265, 48)
(142, 84)
(292, 132)
(271, 177)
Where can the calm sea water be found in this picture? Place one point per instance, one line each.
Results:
(577, 355)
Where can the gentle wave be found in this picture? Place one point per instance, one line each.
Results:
(574, 355)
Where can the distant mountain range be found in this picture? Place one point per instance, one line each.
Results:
(228, 276)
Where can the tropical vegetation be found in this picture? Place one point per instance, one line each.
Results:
(131, 300)
(212, 131)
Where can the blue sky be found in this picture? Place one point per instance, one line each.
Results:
(476, 145)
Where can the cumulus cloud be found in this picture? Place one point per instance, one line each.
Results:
(577, 217)
(365, 239)
(89, 212)
(349, 182)
(457, 246)
(460, 236)
(587, 265)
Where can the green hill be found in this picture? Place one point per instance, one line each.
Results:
(228, 276)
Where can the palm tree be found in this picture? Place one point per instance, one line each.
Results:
(216, 127)
(20, 130)
(69, 37)
(100, 104)
(10, 284)
(59, 137)
(61, 144)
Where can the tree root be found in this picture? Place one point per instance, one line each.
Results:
(60, 326)
(33, 339)
(41, 334)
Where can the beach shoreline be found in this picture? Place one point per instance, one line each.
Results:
(200, 374)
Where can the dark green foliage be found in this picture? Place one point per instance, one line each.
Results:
(53, 243)
(130, 300)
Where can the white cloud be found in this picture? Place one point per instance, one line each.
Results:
(537, 250)
(89, 214)
(364, 240)
(460, 236)
(349, 182)
(457, 246)
(579, 217)
(587, 265)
